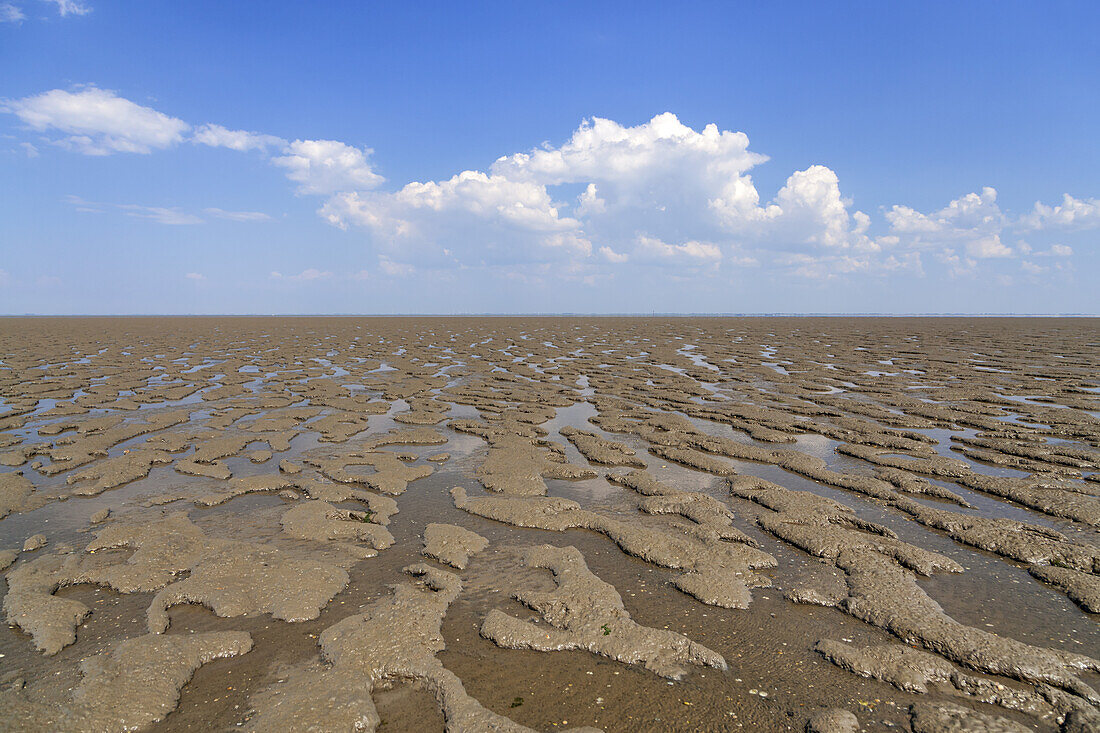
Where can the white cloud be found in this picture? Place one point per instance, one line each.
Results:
(960, 219)
(11, 13)
(988, 247)
(172, 215)
(743, 261)
(472, 214)
(244, 216)
(590, 203)
(97, 121)
(217, 136)
(1072, 213)
(328, 166)
(809, 208)
(395, 269)
(661, 177)
(611, 194)
(825, 265)
(612, 256)
(319, 166)
(195, 276)
(973, 223)
(308, 275)
(957, 266)
(970, 229)
(1056, 250)
(70, 7)
(604, 149)
(160, 214)
(688, 251)
(29, 149)
(906, 220)
(646, 176)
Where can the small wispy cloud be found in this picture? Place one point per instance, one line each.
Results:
(1056, 250)
(217, 136)
(195, 276)
(395, 269)
(246, 216)
(161, 215)
(173, 216)
(11, 14)
(308, 275)
(70, 7)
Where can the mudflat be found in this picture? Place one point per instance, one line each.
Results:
(619, 524)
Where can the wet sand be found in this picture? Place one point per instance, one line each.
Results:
(619, 524)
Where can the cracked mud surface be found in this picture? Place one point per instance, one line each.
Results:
(550, 523)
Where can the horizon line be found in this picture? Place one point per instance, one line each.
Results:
(558, 314)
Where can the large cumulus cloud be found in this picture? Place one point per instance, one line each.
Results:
(652, 193)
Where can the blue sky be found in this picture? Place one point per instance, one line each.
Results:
(200, 157)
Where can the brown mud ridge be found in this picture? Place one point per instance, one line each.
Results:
(520, 524)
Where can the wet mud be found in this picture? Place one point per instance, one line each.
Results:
(550, 524)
